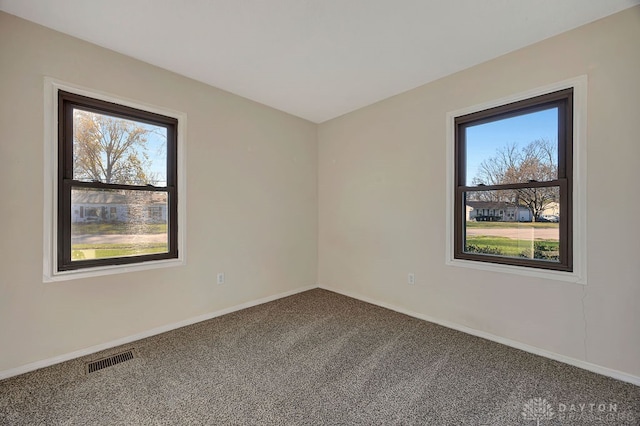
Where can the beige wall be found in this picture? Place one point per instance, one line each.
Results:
(382, 202)
(252, 202)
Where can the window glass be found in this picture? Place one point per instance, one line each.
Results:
(116, 150)
(513, 150)
(516, 234)
(136, 223)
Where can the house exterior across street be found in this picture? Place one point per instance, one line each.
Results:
(110, 207)
(492, 211)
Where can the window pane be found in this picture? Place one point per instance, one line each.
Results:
(115, 150)
(528, 226)
(513, 150)
(117, 223)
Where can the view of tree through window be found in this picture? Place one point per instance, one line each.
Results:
(117, 186)
(513, 174)
(115, 150)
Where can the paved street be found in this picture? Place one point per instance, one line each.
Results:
(523, 233)
(119, 238)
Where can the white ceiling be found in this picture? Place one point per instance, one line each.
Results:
(316, 59)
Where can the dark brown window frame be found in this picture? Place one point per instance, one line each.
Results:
(66, 103)
(563, 100)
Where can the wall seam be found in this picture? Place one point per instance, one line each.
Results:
(584, 320)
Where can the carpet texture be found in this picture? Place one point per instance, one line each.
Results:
(318, 358)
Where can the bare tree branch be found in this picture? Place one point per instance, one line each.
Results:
(537, 161)
(110, 150)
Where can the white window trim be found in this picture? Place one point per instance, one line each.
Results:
(50, 241)
(579, 274)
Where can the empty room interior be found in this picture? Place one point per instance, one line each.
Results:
(320, 212)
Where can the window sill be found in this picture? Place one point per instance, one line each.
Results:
(110, 270)
(571, 277)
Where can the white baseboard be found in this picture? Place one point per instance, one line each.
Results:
(148, 333)
(605, 371)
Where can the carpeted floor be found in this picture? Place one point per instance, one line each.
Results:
(318, 358)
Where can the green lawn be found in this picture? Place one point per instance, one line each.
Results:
(511, 225)
(118, 228)
(101, 251)
(513, 247)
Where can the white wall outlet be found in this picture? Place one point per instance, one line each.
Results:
(220, 277)
(411, 278)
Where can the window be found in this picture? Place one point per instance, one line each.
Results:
(516, 157)
(117, 184)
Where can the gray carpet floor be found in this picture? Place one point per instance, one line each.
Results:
(318, 358)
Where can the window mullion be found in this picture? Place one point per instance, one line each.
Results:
(111, 186)
(545, 184)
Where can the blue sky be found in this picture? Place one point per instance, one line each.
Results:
(157, 151)
(485, 139)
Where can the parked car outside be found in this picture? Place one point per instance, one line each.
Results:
(549, 218)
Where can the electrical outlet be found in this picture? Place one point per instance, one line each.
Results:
(411, 278)
(220, 277)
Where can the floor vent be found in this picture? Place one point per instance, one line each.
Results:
(109, 361)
